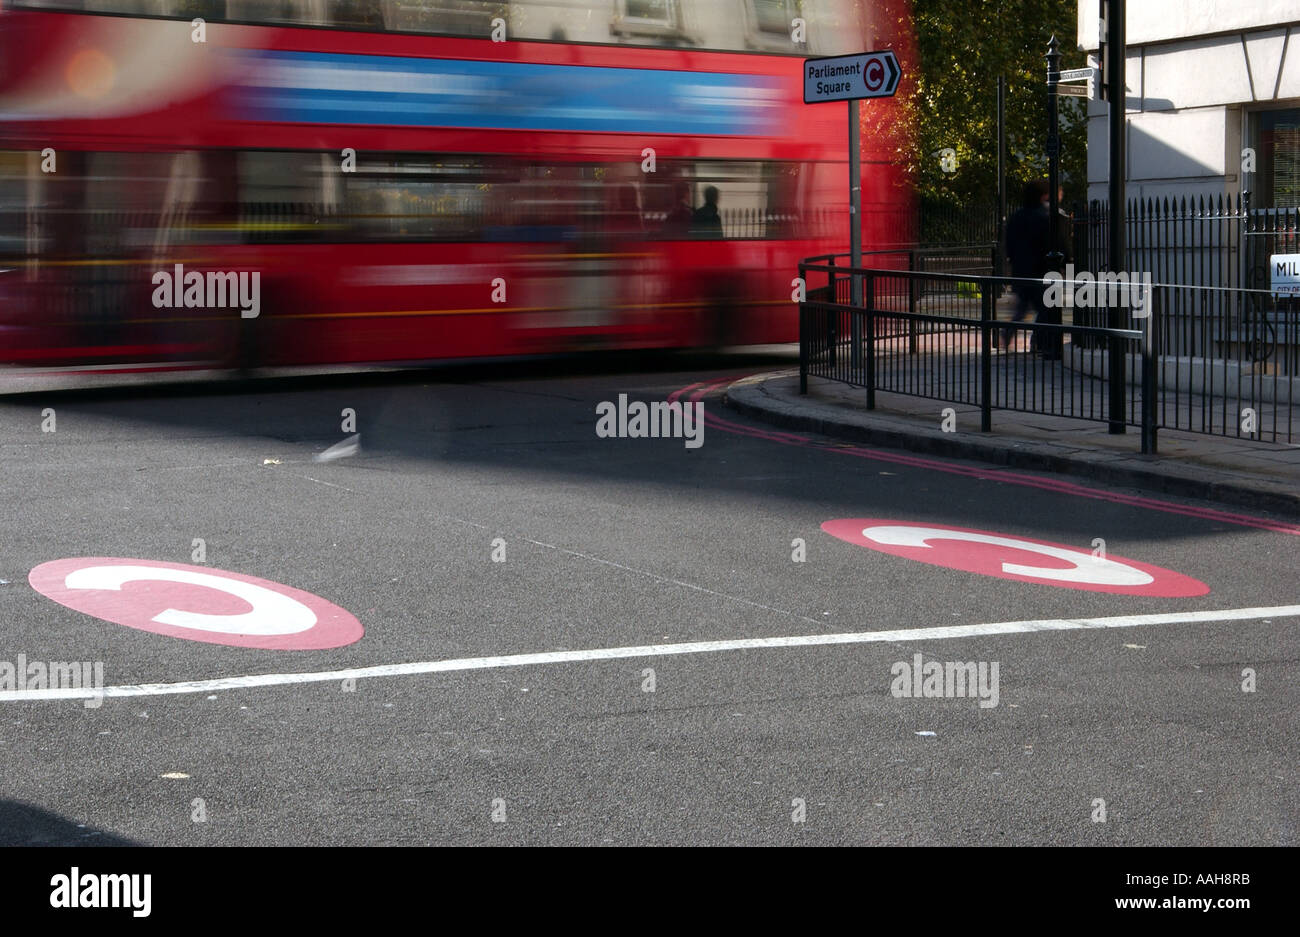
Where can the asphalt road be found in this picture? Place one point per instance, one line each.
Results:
(611, 543)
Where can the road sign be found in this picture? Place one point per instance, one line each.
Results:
(1284, 273)
(1018, 558)
(1074, 74)
(196, 602)
(850, 77)
(1074, 91)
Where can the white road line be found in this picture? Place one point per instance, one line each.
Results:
(319, 482)
(654, 650)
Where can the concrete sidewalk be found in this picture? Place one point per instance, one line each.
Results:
(1241, 472)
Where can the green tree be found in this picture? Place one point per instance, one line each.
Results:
(949, 108)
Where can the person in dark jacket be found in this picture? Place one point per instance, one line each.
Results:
(1027, 250)
(679, 220)
(707, 222)
(1050, 344)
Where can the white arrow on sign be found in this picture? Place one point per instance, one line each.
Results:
(272, 612)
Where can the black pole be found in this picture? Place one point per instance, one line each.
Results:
(1054, 254)
(804, 330)
(987, 318)
(1149, 378)
(1115, 92)
(855, 233)
(1002, 176)
(870, 313)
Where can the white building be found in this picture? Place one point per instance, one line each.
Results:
(831, 26)
(1213, 99)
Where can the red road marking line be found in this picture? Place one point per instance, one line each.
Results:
(700, 389)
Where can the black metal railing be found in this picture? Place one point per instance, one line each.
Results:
(1192, 361)
(932, 221)
(1220, 242)
(1228, 347)
(938, 336)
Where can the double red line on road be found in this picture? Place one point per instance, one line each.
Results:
(699, 390)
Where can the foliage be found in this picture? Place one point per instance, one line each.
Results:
(948, 98)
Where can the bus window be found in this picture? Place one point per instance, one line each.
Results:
(416, 197)
(281, 196)
(18, 182)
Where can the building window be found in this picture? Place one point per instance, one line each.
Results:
(659, 18)
(768, 24)
(774, 16)
(1276, 136)
(651, 12)
(458, 17)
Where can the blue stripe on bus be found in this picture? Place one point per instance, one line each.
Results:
(327, 88)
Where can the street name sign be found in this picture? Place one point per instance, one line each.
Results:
(850, 77)
(1284, 273)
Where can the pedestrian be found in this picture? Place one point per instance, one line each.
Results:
(1027, 251)
(679, 220)
(707, 222)
(1051, 343)
(625, 218)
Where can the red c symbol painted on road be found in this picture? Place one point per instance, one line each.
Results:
(197, 603)
(1018, 558)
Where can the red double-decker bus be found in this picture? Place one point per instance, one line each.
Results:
(402, 181)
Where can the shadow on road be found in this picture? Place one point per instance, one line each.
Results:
(538, 417)
(25, 825)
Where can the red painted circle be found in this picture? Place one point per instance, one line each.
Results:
(1037, 561)
(198, 603)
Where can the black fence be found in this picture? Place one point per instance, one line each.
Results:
(957, 350)
(1225, 343)
(924, 294)
(932, 221)
(946, 336)
(1220, 241)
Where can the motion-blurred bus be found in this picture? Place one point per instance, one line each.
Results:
(415, 180)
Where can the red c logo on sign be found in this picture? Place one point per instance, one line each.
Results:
(873, 76)
(197, 603)
(1018, 558)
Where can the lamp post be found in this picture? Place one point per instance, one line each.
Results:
(1054, 253)
(1116, 99)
